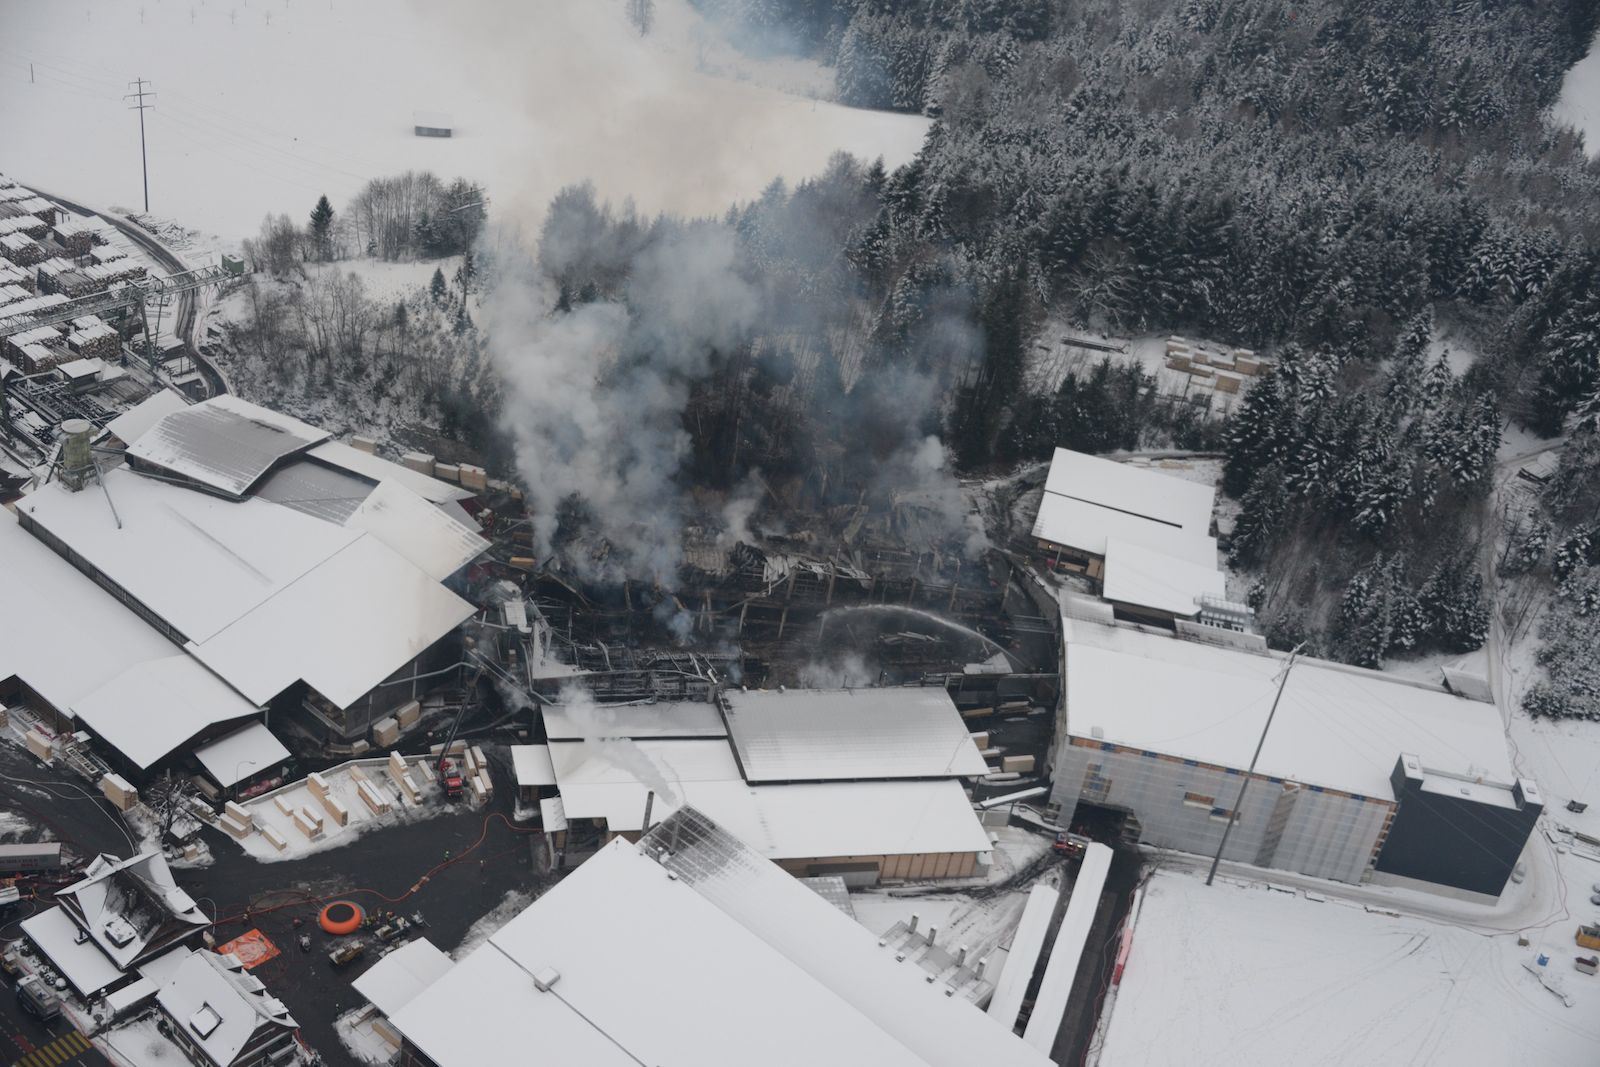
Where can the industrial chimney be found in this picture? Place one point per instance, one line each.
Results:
(76, 462)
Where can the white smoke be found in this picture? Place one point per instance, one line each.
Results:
(598, 724)
(738, 510)
(596, 395)
(849, 671)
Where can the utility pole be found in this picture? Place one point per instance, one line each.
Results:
(139, 93)
(1244, 783)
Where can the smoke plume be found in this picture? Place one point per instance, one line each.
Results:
(598, 722)
(621, 334)
(596, 394)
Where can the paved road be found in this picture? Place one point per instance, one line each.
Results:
(26, 1042)
(67, 1049)
(383, 863)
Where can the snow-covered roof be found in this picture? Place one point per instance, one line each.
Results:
(80, 368)
(265, 595)
(433, 541)
(531, 766)
(1135, 575)
(667, 719)
(611, 780)
(224, 443)
(346, 626)
(1136, 490)
(237, 755)
(712, 965)
(394, 981)
(1089, 527)
(131, 907)
(48, 610)
(552, 814)
(1066, 952)
(131, 424)
(838, 734)
(198, 561)
(220, 1006)
(155, 706)
(80, 961)
(1337, 727)
(1088, 499)
(1022, 958)
(377, 469)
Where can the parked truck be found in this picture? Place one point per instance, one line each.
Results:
(37, 858)
(37, 999)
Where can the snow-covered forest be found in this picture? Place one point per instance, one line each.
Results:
(1321, 179)
(1332, 182)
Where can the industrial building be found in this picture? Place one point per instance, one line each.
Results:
(1144, 536)
(117, 918)
(227, 538)
(690, 948)
(1362, 776)
(863, 783)
(171, 618)
(119, 680)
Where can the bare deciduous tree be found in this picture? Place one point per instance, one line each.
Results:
(167, 797)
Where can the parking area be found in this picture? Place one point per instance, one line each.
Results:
(450, 869)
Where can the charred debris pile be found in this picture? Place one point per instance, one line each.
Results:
(848, 596)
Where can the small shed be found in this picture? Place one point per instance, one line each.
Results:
(432, 124)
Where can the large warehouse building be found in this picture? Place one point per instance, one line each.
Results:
(689, 948)
(301, 582)
(1362, 777)
(863, 783)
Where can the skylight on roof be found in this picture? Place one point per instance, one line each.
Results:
(205, 1021)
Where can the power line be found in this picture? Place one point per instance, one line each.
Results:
(1244, 783)
(139, 93)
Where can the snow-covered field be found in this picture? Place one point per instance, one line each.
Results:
(262, 107)
(1243, 975)
(1579, 103)
(1382, 976)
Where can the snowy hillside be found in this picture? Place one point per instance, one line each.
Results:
(1579, 105)
(244, 121)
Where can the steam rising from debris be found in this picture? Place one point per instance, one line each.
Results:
(850, 671)
(598, 388)
(621, 752)
(597, 394)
